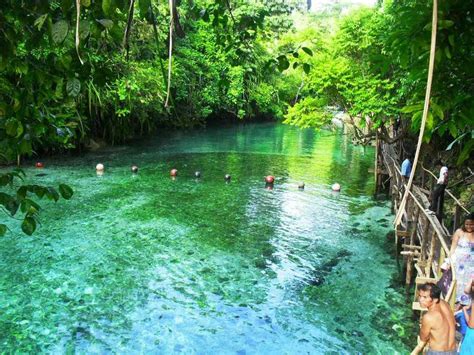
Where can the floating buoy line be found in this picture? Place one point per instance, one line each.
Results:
(269, 179)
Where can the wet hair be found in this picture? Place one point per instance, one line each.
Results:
(435, 291)
(469, 217)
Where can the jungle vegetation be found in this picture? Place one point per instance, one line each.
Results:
(77, 71)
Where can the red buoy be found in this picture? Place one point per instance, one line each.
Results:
(174, 172)
(269, 179)
(39, 165)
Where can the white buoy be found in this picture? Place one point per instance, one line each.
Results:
(99, 167)
(336, 187)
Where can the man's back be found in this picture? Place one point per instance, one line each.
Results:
(443, 328)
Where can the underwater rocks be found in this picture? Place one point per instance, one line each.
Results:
(320, 275)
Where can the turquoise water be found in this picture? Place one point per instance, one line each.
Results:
(148, 264)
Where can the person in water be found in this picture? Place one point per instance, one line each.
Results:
(438, 327)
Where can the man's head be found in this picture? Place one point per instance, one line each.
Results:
(428, 294)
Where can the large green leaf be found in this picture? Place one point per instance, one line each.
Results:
(307, 50)
(25, 147)
(11, 127)
(65, 191)
(466, 151)
(66, 5)
(84, 29)
(73, 87)
(21, 192)
(10, 203)
(39, 22)
(39, 191)
(29, 206)
(144, 5)
(52, 194)
(108, 24)
(29, 225)
(306, 68)
(108, 6)
(59, 31)
(283, 63)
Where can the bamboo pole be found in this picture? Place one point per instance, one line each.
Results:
(431, 254)
(376, 162)
(425, 108)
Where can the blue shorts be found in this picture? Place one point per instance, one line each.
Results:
(434, 352)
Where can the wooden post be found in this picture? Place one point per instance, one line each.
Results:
(431, 254)
(409, 269)
(376, 169)
(424, 238)
(456, 218)
(423, 178)
(413, 231)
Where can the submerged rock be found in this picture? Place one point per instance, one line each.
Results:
(319, 276)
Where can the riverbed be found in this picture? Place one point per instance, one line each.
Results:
(146, 263)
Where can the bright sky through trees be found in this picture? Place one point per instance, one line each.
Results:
(318, 4)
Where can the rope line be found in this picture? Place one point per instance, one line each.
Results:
(426, 107)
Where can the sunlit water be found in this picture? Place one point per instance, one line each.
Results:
(148, 264)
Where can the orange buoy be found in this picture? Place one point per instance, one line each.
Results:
(39, 165)
(99, 167)
(269, 179)
(174, 172)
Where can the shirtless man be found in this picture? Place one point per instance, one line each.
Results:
(438, 326)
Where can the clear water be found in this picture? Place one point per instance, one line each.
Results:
(148, 264)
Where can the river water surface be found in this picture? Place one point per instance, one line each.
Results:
(148, 264)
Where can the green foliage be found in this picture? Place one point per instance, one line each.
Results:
(309, 112)
(375, 66)
(19, 199)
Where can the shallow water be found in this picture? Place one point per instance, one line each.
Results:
(149, 264)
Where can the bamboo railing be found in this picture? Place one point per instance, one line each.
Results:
(424, 239)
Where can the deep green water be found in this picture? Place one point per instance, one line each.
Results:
(147, 264)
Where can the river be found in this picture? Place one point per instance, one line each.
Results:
(149, 264)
